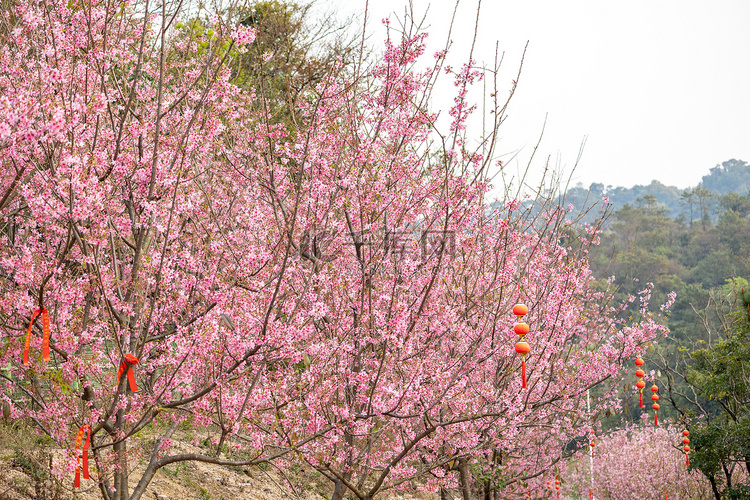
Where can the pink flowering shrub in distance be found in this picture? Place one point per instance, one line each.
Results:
(639, 462)
(339, 295)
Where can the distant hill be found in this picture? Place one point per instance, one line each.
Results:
(691, 203)
(730, 176)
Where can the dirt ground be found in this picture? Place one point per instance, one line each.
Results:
(22, 477)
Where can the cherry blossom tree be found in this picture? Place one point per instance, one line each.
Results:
(333, 288)
(641, 461)
(126, 217)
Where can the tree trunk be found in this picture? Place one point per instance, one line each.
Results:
(121, 449)
(152, 466)
(714, 488)
(727, 474)
(463, 469)
(223, 437)
(103, 482)
(338, 490)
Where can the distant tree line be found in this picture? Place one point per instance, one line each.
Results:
(695, 204)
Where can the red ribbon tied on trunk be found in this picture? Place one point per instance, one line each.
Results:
(45, 336)
(127, 366)
(85, 452)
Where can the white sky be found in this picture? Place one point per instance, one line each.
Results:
(660, 88)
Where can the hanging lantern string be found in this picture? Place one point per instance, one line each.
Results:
(640, 374)
(686, 442)
(45, 336)
(521, 329)
(655, 406)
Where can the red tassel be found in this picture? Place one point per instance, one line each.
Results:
(79, 438)
(687, 460)
(641, 391)
(45, 336)
(126, 366)
(656, 421)
(523, 372)
(28, 339)
(86, 452)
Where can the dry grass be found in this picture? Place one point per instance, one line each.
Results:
(26, 460)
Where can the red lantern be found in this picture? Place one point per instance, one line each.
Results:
(523, 349)
(686, 448)
(520, 310)
(639, 362)
(686, 432)
(521, 329)
(655, 406)
(686, 441)
(640, 373)
(640, 385)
